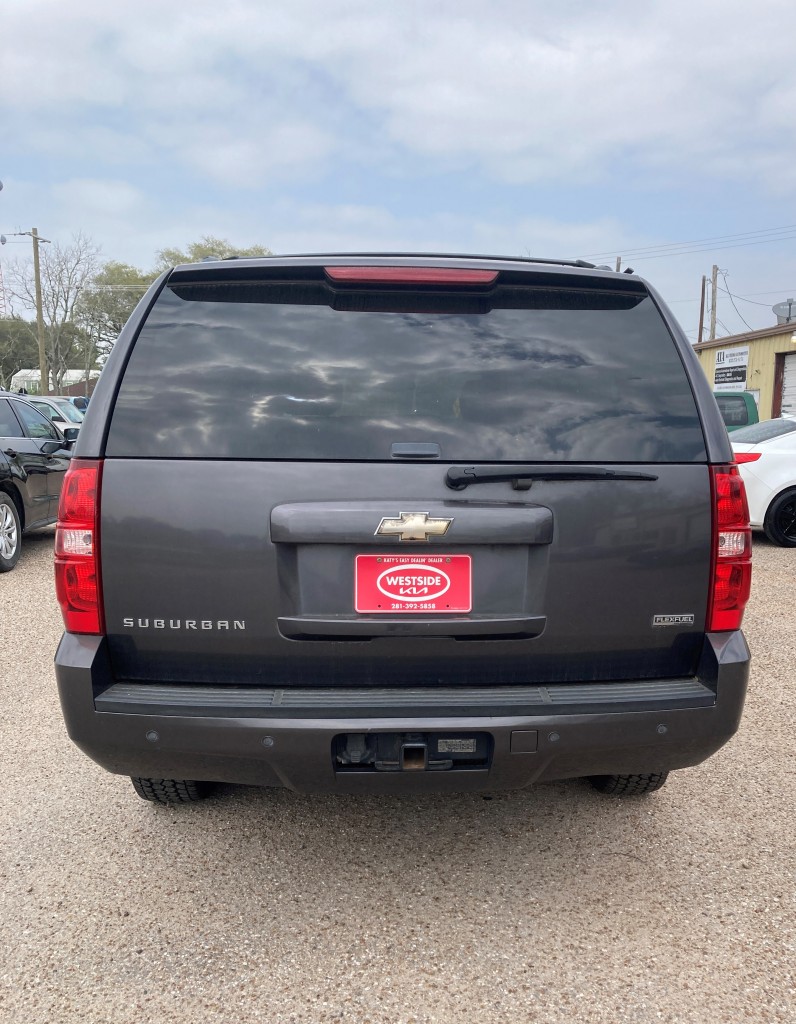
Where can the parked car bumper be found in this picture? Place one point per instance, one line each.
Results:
(272, 737)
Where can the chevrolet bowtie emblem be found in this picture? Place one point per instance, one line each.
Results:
(413, 526)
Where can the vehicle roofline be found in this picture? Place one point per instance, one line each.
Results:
(387, 258)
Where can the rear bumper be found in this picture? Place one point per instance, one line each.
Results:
(284, 738)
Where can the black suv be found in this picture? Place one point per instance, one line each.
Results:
(34, 456)
(401, 523)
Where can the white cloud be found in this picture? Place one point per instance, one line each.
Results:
(352, 228)
(148, 125)
(525, 91)
(97, 198)
(132, 224)
(236, 160)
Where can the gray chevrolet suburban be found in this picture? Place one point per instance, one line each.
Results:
(398, 524)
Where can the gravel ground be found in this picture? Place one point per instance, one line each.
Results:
(552, 904)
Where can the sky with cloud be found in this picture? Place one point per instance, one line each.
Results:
(570, 129)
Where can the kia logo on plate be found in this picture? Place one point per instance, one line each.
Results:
(413, 582)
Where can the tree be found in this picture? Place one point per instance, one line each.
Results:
(19, 349)
(105, 307)
(86, 303)
(66, 271)
(206, 246)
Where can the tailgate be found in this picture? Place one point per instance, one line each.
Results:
(277, 503)
(219, 579)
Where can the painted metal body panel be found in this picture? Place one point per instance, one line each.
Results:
(237, 574)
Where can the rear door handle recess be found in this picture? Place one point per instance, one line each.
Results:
(357, 522)
(344, 627)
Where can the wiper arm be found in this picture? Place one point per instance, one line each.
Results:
(521, 477)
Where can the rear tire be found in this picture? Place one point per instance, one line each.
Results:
(169, 791)
(628, 785)
(10, 533)
(780, 521)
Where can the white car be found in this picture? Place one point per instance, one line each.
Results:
(766, 455)
(60, 410)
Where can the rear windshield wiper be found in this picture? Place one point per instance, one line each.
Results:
(521, 477)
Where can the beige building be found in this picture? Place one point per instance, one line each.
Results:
(763, 362)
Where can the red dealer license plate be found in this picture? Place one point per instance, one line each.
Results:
(413, 583)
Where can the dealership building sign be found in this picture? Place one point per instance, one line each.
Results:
(731, 366)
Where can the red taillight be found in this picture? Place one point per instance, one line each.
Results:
(747, 457)
(732, 550)
(77, 574)
(409, 275)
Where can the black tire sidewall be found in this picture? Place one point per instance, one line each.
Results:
(169, 791)
(6, 564)
(770, 524)
(629, 785)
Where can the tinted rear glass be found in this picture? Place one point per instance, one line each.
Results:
(733, 410)
(764, 431)
(295, 370)
(9, 424)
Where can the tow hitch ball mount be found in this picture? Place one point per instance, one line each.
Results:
(411, 752)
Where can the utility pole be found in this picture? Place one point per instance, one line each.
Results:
(44, 372)
(44, 384)
(3, 306)
(714, 279)
(618, 264)
(701, 310)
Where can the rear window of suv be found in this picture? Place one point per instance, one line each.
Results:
(734, 410)
(298, 370)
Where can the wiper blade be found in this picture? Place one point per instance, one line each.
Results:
(521, 477)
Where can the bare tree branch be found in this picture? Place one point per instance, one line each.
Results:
(66, 270)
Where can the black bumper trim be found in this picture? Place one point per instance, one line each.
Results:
(293, 746)
(234, 702)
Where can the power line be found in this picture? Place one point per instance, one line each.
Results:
(744, 298)
(766, 304)
(776, 291)
(697, 241)
(116, 288)
(726, 328)
(726, 289)
(710, 248)
(715, 248)
(693, 241)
